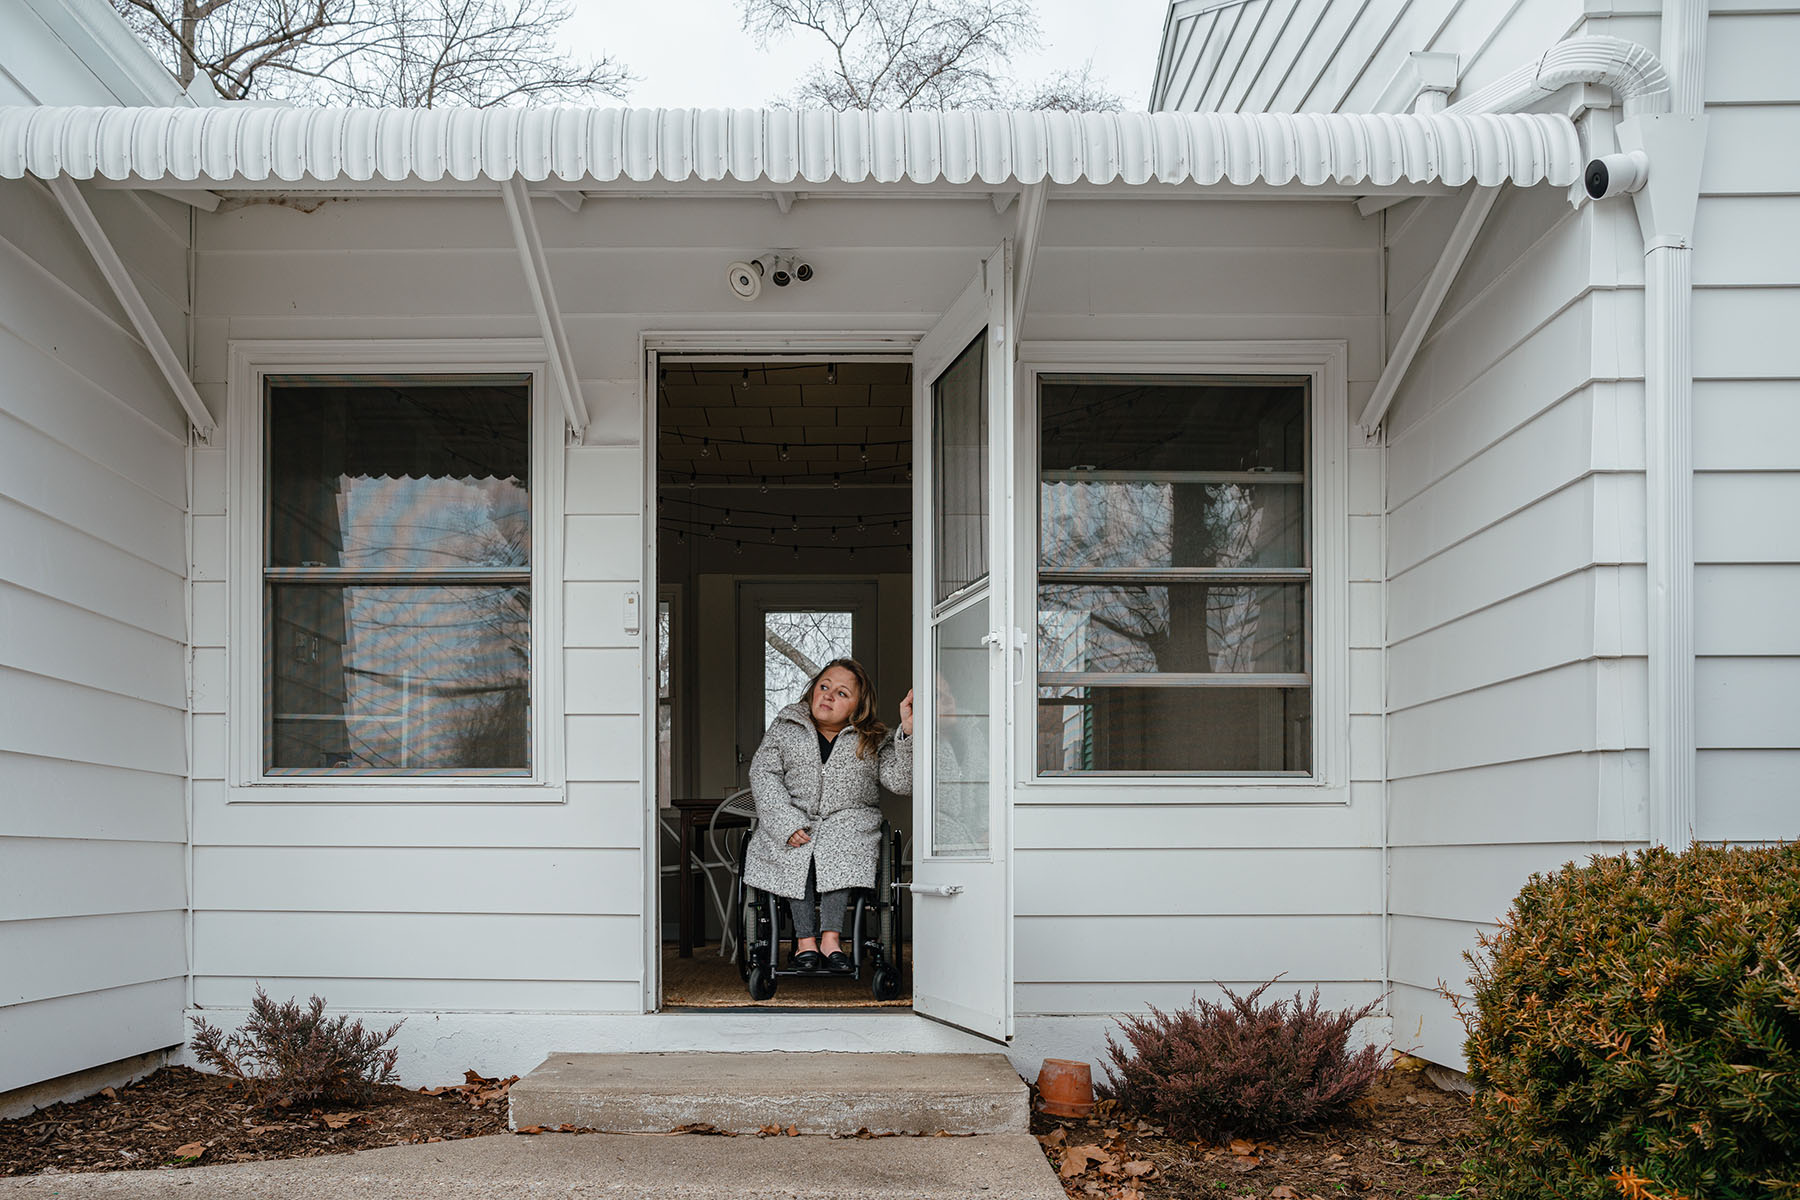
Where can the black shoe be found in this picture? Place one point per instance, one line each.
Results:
(840, 963)
(807, 960)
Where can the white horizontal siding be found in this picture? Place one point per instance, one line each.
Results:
(376, 946)
(1189, 950)
(92, 633)
(433, 996)
(1747, 431)
(1516, 681)
(1138, 883)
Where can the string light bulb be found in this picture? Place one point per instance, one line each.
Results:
(744, 381)
(705, 447)
(837, 481)
(830, 372)
(784, 452)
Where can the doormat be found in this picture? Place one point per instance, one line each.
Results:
(708, 981)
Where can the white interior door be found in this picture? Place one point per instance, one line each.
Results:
(962, 844)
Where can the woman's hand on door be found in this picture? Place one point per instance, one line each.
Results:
(906, 713)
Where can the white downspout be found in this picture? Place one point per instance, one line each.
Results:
(1663, 118)
(1675, 142)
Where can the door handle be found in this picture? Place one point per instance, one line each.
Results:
(940, 889)
(1019, 649)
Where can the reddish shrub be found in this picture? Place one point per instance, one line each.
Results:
(287, 1055)
(1241, 1068)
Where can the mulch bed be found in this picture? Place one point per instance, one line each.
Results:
(1405, 1139)
(179, 1117)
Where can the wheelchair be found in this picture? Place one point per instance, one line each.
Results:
(872, 941)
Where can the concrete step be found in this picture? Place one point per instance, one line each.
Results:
(602, 1166)
(815, 1092)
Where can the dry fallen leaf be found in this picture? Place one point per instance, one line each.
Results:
(160, 1128)
(769, 1131)
(337, 1120)
(1075, 1159)
(191, 1150)
(1140, 1168)
(1242, 1147)
(1284, 1192)
(793, 1131)
(109, 1093)
(530, 1129)
(1055, 1137)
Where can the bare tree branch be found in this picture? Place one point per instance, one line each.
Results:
(413, 53)
(918, 54)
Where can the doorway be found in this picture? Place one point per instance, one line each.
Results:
(783, 539)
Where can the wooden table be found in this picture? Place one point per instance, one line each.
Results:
(696, 814)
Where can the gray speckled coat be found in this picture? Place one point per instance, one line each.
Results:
(838, 803)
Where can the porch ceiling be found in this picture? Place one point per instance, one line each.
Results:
(344, 150)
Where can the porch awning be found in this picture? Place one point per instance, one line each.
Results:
(372, 148)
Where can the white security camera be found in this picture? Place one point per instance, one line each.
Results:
(745, 279)
(782, 275)
(1616, 174)
(803, 271)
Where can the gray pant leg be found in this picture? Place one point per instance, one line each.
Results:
(833, 907)
(802, 909)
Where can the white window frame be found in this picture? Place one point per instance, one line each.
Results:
(251, 364)
(1326, 365)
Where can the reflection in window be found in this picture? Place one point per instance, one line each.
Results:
(397, 576)
(1174, 578)
(665, 701)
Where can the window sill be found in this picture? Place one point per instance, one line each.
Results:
(363, 791)
(1205, 790)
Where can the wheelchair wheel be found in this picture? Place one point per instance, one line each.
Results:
(761, 983)
(886, 983)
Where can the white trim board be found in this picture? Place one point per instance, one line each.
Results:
(1326, 364)
(250, 363)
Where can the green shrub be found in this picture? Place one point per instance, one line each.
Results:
(288, 1055)
(1241, 1068)
(1636, 1031)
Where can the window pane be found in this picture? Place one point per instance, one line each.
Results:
(1199, 729)
(1173, 423)
(959, 430)
(1186, 627)
(959, 749)
(400, 678)
(408, 474)
(1116, 523)
(795, 646)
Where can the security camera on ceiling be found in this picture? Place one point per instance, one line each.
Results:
(781, 269)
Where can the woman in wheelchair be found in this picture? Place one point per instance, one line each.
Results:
(818, 820)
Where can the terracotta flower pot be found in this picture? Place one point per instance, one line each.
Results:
(1066, 1088)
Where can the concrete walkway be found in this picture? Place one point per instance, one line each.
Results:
(640, 1166)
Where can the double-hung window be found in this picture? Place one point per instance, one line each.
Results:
(396, 589)
(1175, 584)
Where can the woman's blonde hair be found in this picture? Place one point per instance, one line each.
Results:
(863, 720)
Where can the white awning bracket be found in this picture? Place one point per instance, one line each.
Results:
(1431, 299)
(543, 300)
(1029, 232)
(112, 267)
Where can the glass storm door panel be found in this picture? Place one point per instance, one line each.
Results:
(962, 843)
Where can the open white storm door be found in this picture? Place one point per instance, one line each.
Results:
(962, 844)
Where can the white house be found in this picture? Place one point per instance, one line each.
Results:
(1308, 525)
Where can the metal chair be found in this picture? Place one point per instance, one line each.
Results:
(739, 806)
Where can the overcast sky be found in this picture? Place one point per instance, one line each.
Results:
(694, 53)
